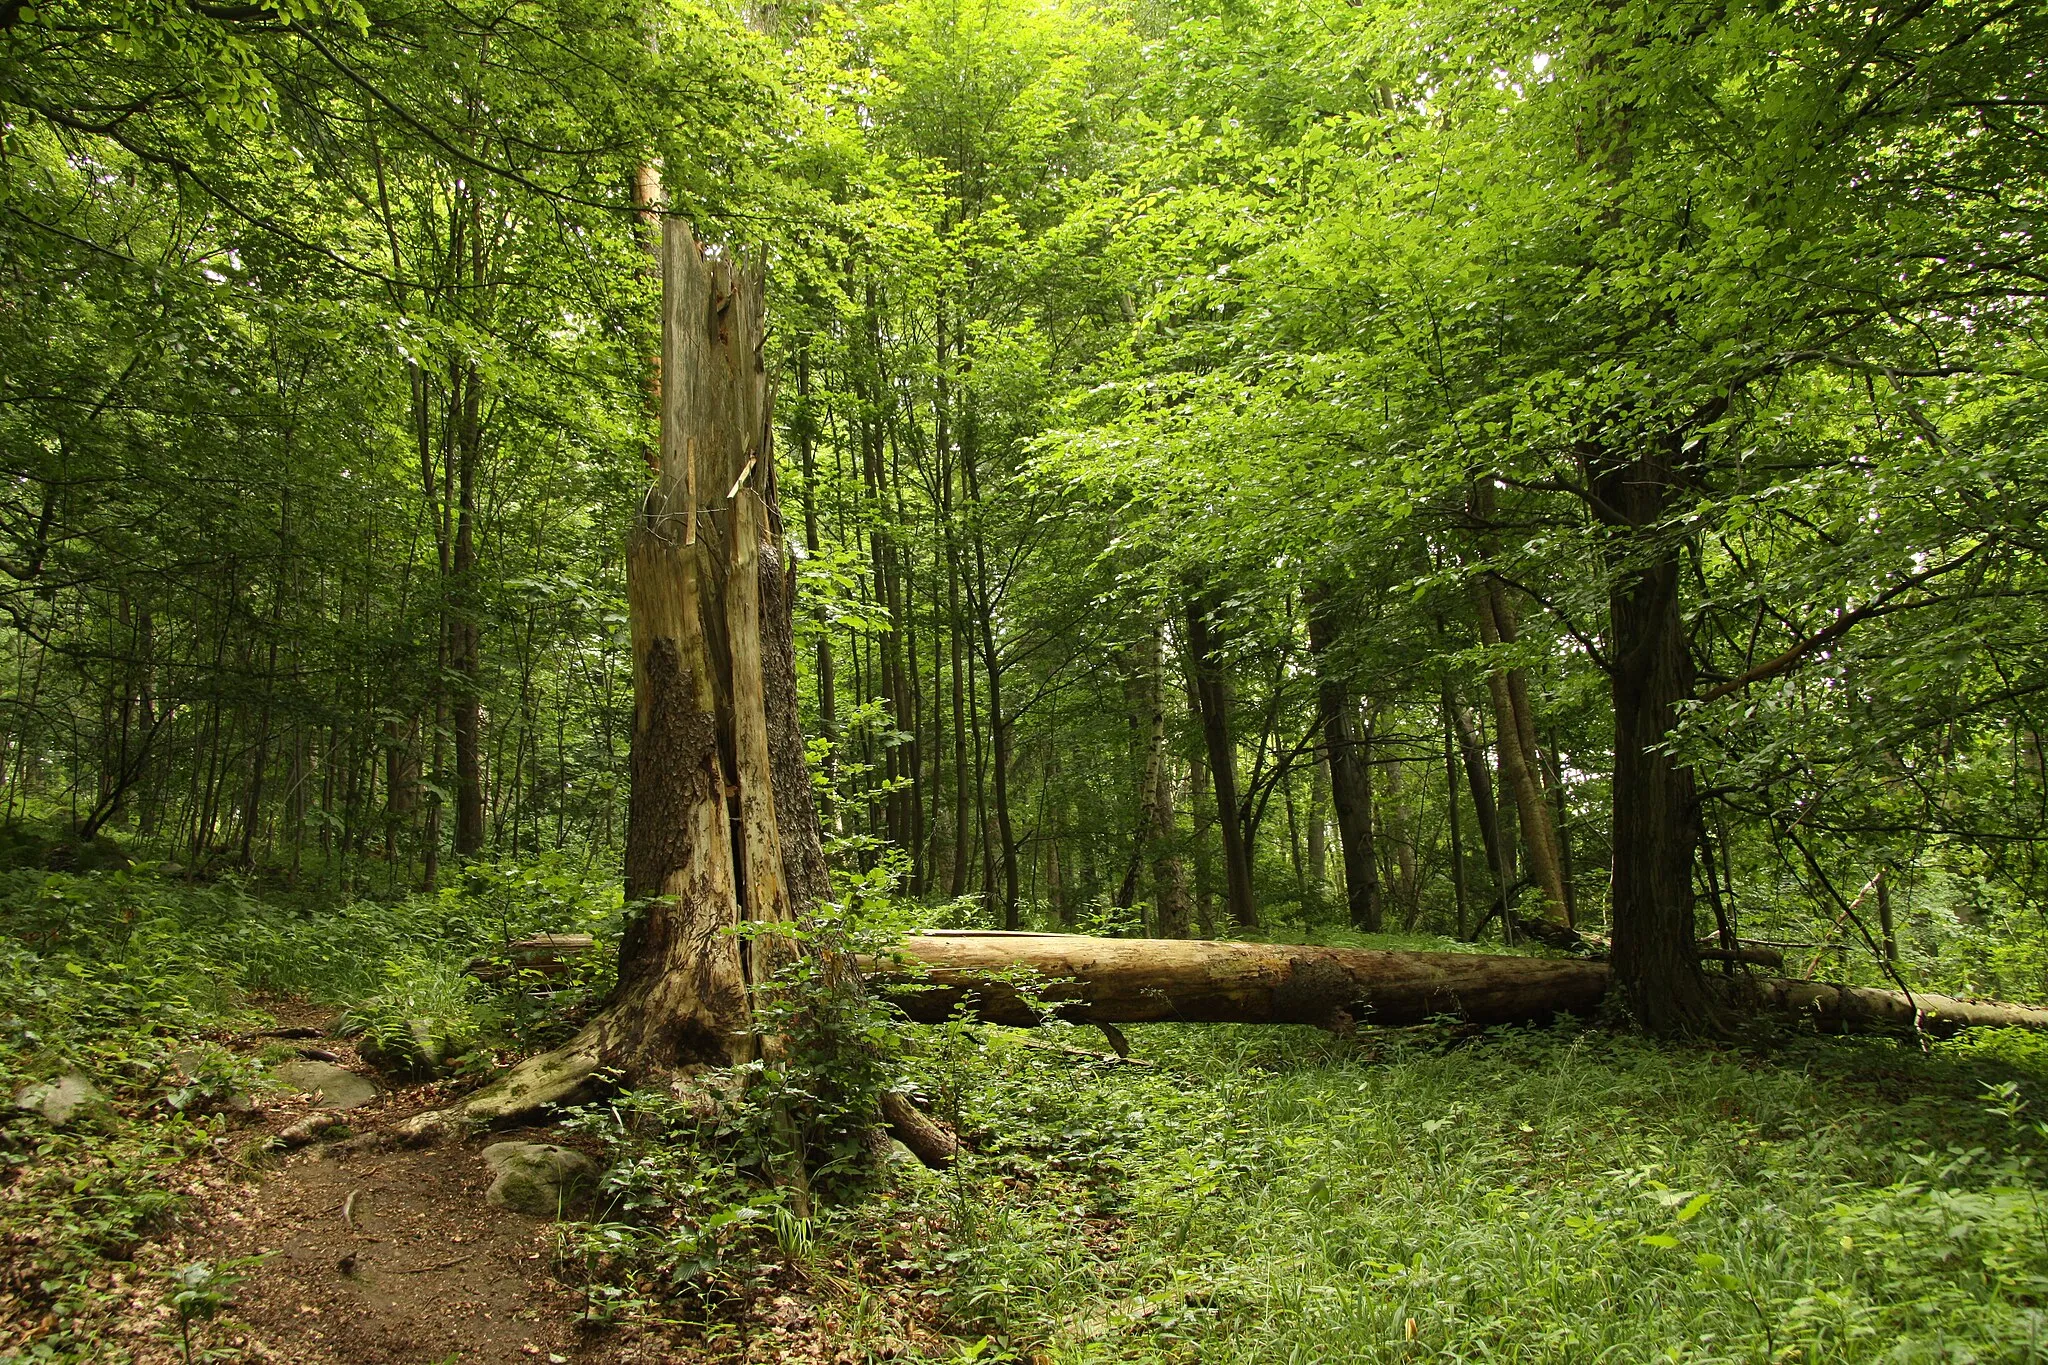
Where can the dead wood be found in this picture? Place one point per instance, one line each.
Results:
(1022, 978)
(933, 1143)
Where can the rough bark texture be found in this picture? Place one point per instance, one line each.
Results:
(722, 826)
(1125, 981)
(933, 1143)
(1650, 673)
(1350, 776)
(1213, 698)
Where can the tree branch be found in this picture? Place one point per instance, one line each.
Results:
(1880, 605)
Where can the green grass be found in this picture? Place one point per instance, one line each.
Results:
(1276, 1195)
(1259, 1195)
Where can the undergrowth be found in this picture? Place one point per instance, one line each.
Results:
(1254, 1194)
(133, 981)
(1559, 1195)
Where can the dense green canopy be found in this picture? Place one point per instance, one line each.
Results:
(1260, 467)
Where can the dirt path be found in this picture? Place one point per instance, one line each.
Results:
(374, 1258)
(394, 1258)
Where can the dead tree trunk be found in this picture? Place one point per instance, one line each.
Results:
(721, 826)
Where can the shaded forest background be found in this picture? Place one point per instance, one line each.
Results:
(1253, 459)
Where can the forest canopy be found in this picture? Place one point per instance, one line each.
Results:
(1255, 466)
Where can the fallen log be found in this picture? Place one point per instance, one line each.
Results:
(1007, 978)
(932, 1142)
(548, 954)
(1020, 979)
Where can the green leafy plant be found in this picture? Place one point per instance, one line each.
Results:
(198, 1292)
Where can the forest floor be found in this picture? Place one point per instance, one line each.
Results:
(347, 1254)
(1231, 1194)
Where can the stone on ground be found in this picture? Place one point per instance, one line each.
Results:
(337, 1087)
(61, 1100)
(538, 1178)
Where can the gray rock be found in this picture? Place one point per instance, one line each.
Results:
(537, 1178)
(337, 1087)
(61, 1100)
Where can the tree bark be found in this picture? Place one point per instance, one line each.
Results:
(1131, 981)
(1205, 873)
(1650, 674)
(1213, 695)
(1472, 754)
(1318, 844)
(1169, 873)
(721, 826)
(1520, 763)
(1350, 774)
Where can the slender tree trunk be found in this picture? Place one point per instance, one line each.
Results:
(1213, 692)
(1519, 761)
(1169, 873)
(1451, 806)
(806, 428)
(465, 658)
(1350, 776)
(1472, 751)
(1561, 822)
(962, 814)
(1402, 831)
(1885, 927)
(1001, 724)
(1205, 871)
(1318, 829)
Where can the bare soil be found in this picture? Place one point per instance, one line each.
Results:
(394, 1257)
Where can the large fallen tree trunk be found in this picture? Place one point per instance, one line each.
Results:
(1021, 978)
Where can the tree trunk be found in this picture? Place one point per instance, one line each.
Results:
(806, 425)
(1451, 805)
(1169, 873)
(1472, 754)
(1213, 695)
(1350, 775)
(1205, 873)
(1318, 845)
(721, 826)
(1130, 981)
(1650, 674)
(1888, 931)
(1400, 827)
(1520, 764)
